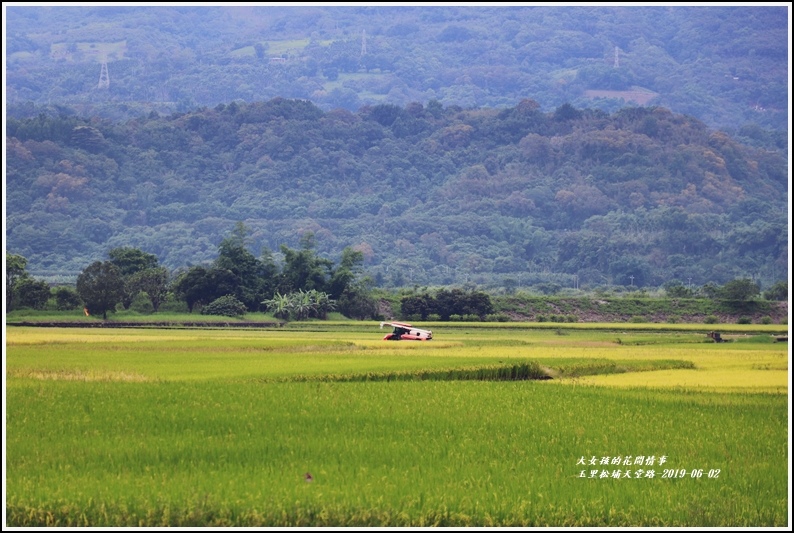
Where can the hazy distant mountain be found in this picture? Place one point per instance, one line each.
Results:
(725, 65)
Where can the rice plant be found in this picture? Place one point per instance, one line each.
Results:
(194, 428)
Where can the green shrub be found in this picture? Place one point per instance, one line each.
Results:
(171, 305)
(455, 318)
(744, 320)
(541, 318)
(433, 317)
(766, 320)
(779, 291)
(637, 319)
(142, 304)
(67, 299)
(225, 306)
(32, 293)
(711, 319)
(572, 318)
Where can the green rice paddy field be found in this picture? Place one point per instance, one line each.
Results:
(331, 426)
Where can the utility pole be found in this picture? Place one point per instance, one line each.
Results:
(363, 43)
(617, 60)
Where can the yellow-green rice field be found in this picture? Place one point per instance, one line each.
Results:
(328, 425)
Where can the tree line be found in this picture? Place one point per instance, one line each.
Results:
(236, 282)
(304, 286)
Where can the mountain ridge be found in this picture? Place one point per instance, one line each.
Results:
(429, 194)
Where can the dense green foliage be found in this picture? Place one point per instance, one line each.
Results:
(778, 291)
(66, 298)
(636, 308)
(22, 290)
(101, 287)
(300, 305)
(725, 65)
(32, 293)
(145, 291)
(424, 194)
(15, 271)
(225, 306)
(446, 303)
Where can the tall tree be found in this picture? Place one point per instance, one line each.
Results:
(131, 260)
(345, 273)
(15, 271)
(247, 269)
(192, 286)
(101, 287)
(32, 293)
(303, 269)
(66, 298)
(739, 290)
(152, 281)
(778, 291)
(201, 285)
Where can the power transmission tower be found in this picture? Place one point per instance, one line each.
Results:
(104, 77)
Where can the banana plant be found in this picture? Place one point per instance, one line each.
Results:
(280, 305)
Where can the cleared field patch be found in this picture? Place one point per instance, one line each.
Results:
(638, 95)
(356, 77)
(98, 51)
(281, 47)
(277, 48)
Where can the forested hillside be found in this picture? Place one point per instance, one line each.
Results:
(725, 65)
(430, 194)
